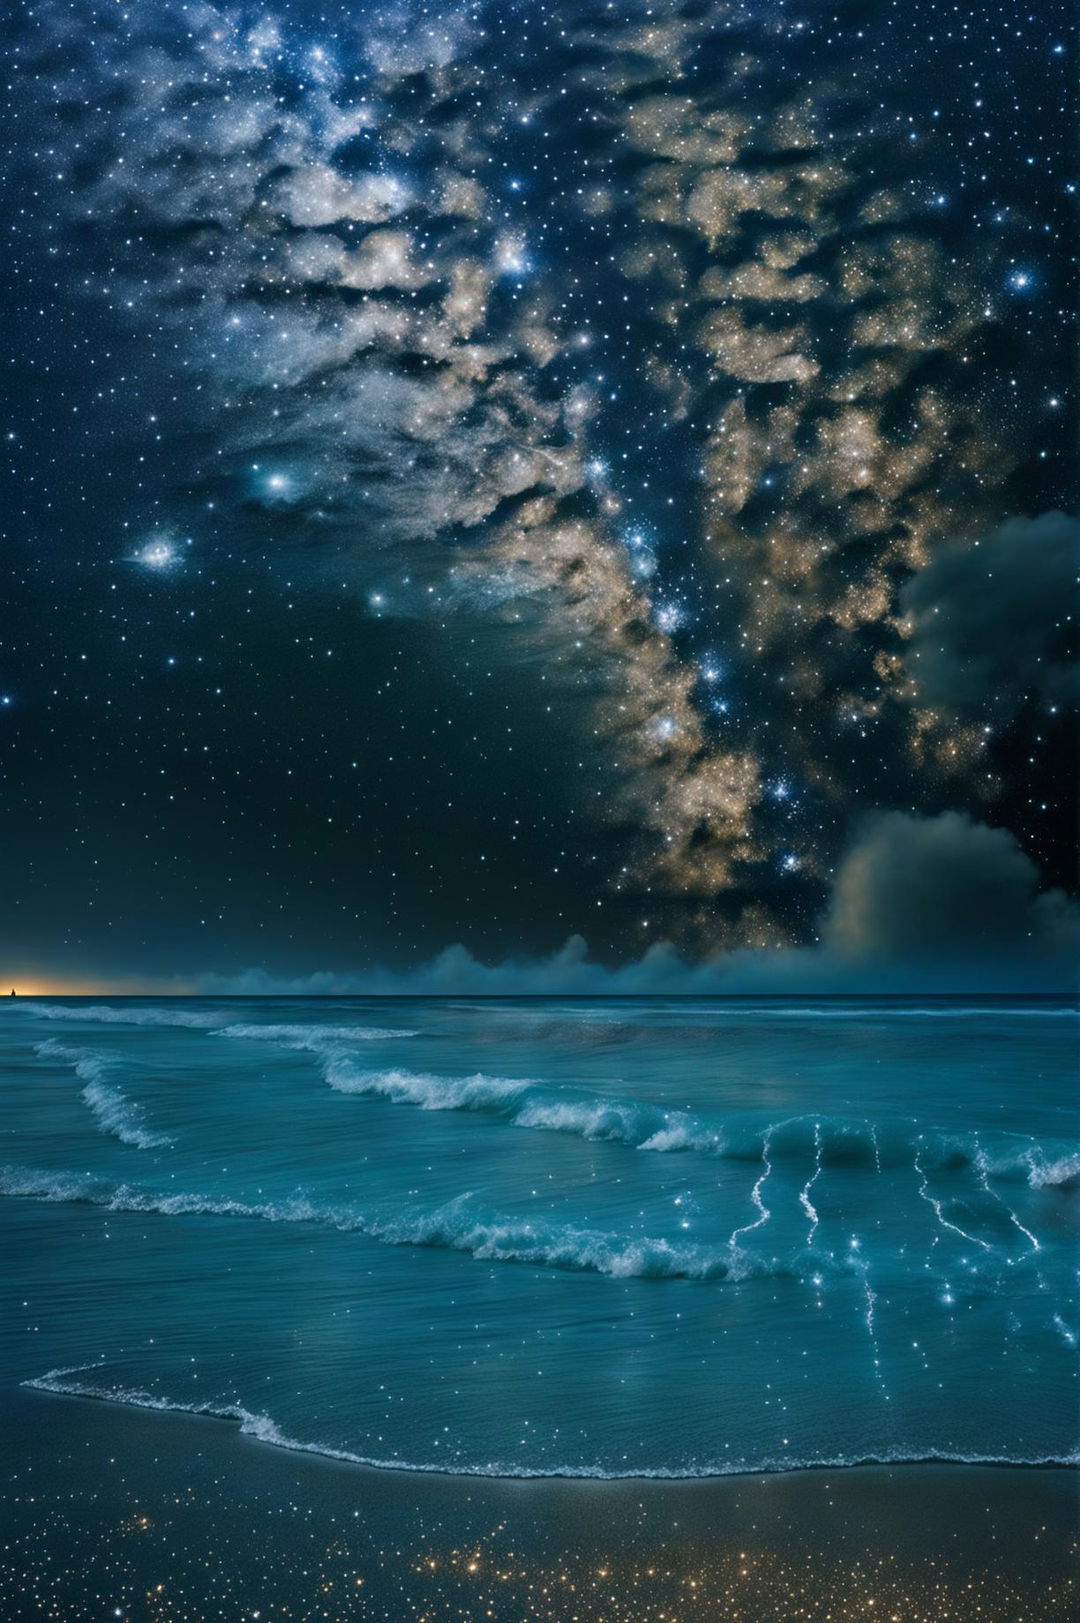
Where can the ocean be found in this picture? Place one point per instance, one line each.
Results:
(553, 1237)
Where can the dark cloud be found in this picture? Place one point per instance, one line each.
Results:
(993, 624)
(919, 903)
(945, 889)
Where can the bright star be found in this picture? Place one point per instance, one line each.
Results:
(1021, 281)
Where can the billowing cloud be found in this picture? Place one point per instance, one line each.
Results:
(945, 889)
(993, 625)
(919, 903)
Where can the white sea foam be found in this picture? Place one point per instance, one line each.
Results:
(104, 1014)
(477, 1092)
(454, 1226)
(115, 1113)
(529, 1104)
(525, 1103)
(619, 1121)
(313, 1037)
(820, 1141)
(266, 1430)
(551, 1245)
(1062, 1173)
(459, 1225)
(682, 1133)
(302, 1036)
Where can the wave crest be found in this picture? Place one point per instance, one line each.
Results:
(828, 1141)
(454, 1226)
(115, 1113)
(478, 1093)
(309, 1037)
(103, 1014)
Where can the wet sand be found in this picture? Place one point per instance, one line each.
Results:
(112, 1512)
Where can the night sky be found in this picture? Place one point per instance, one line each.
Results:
(494, 474)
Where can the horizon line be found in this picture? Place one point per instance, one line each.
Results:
(564, 997)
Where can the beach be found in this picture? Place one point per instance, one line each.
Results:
(565, 1311)
(110, 1512)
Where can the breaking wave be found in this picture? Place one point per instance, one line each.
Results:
(454, 1226)
(825, 1140)
(528, 1104)
(1064, 1173)
(525, 1103)
(310, 1037)
(115, 1114)
(266, 1430)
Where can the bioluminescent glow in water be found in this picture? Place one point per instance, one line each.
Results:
(554, 1237)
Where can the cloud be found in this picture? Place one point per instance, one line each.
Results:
(919, 903)
(994, 624)
(945, 890)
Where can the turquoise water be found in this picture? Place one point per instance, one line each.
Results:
(665, 1237)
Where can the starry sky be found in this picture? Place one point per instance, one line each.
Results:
(483, 477)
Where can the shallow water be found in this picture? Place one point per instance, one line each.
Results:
(667, 1237)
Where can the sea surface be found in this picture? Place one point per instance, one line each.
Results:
(647, 1237)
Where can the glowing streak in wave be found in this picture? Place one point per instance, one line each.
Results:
(924, 1191)
(870, 1300)
(755, 1195)
(983, 1166)
(804, 1194)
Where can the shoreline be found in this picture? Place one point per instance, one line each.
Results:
(108, 1513)
(246, 1425)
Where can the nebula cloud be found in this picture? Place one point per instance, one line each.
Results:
(738, 470)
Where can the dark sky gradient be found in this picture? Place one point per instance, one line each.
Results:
(485, 475)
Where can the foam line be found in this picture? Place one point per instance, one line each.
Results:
(114, 1113)
(266, 1430)
(454, 1226)
(103, 1014)
(833, 1141)
(309, 1037)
